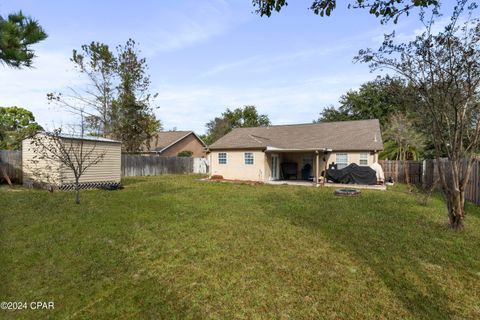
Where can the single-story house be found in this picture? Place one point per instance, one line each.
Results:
(300, 151)
(42, 171)
(171, 143)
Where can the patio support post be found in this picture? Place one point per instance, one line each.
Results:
(325, 159)
(317, 167)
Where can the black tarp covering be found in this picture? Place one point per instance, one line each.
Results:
(353, 173)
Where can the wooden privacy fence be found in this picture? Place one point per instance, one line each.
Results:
(426, 173)
(400, 170)
(472, 190)
(138, 165)
(11, 161)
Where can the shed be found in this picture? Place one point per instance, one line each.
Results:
(41, 172)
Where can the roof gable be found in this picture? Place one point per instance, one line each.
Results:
(165, 139)
(341, 135)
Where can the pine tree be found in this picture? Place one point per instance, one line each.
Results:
(17, 34)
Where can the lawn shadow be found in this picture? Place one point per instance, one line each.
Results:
(130, 181)
(384, 247)
(144, 298)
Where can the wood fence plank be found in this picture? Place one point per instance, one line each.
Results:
(139, 165)
(426, 173)
(11, 160)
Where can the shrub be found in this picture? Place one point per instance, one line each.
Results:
(185, 153)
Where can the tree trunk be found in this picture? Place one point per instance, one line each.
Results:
(456, 209)
(452, 177)
(406, 171)
(77, 192)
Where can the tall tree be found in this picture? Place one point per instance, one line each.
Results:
(17, 35)
(385, 9)
(408, 142)
(404, 141)
(116, 101)
(377, 99)
(135, 121)
(99, 65)
(247, 116)
(384, 98)
(445, 70)
(16, 124)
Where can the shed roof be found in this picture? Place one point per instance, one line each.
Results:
(86, 138)
(341, 135)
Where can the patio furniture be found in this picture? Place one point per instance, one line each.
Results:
(306, 171)
(353, 174)
(289, 169)
(333, 166)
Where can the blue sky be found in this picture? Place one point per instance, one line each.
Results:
(204, 56)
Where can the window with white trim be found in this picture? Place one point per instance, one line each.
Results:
(248, 156)
(342, 160)
(363, 159)
(222, 158)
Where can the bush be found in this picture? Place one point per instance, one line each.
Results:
(185, 153)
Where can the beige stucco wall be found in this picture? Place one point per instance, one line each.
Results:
(189, 143)
(354, 157)
(53, 172)
(236, 169)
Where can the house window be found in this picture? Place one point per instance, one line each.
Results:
(248, 158)
(342, 160)
(307, 159)
(364, 159)
(222, 158)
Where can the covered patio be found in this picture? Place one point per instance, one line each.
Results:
(304, 167)
(297, 166)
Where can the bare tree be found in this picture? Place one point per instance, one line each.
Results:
(445, 70)
(99, 65)
(70, 151)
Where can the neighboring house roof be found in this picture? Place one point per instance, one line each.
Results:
(341, 135)
(165, 139)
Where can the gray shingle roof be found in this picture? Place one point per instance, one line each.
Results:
(342, 135)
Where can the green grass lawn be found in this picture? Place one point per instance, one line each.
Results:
(174, 247)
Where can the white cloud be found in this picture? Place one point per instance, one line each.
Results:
(262, 63)
(27, 88)
(190, 33)
(201, 22)
(190, 107)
